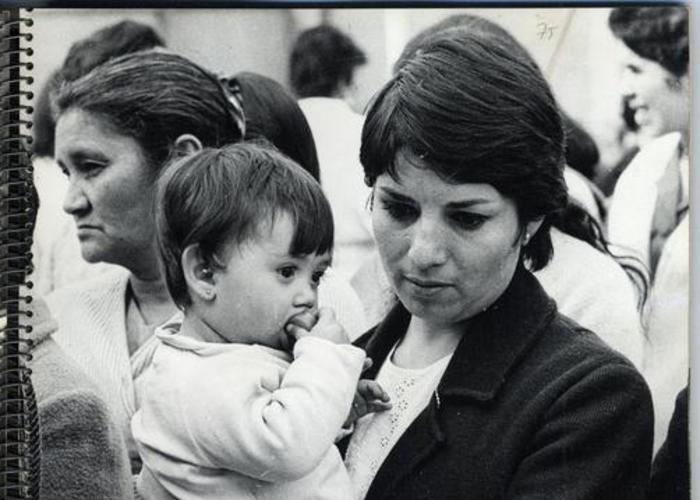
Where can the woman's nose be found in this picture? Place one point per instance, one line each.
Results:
(75, 202)
(427, 246)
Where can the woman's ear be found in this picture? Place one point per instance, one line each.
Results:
(199, 275)
(186, 144)
(530, 229)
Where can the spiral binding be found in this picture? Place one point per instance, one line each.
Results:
(19, 423)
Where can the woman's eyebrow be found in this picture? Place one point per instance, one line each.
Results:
(78, 155)
(395, 194)
(469, 203)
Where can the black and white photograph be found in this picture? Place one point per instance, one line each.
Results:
(361, 253)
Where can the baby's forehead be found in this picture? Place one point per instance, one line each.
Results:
(274, 235)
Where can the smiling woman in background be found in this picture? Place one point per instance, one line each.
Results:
(495, 394)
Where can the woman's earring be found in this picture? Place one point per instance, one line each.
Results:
(527, 238)
(209, 294)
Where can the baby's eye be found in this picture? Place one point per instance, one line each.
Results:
(287, 272)
(317, 276)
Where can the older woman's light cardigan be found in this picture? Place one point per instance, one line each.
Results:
(91, 318)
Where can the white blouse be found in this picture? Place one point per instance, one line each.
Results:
(377, 433)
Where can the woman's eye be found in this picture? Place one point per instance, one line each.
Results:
(400, 211)
(91, 167)
(287, 272)
(467, 220)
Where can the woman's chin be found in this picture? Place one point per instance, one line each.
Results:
(91, 252)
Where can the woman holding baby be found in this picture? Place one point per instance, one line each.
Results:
(494, 393)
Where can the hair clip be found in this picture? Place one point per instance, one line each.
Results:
(232, 91)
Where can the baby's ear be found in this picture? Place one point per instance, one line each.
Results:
(186, 144)
(199, 273)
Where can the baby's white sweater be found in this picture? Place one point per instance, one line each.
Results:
(245, 421)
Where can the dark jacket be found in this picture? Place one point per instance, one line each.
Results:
(530, 406)
(670, 474)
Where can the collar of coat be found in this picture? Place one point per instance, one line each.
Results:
(492, 344)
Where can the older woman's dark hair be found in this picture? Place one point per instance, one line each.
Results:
(322, 59)
(658, 33)
(272, 113)
(107, 43)
(220, 196)
(155, 97)
(475, 112)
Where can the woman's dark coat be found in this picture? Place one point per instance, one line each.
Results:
(531, 406)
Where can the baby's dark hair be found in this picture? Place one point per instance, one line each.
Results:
(220, 196)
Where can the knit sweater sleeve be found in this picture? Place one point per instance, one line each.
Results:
(83, 454)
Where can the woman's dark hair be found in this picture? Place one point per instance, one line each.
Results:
(322, 59)
(216, 197)
(581, 151)
(115, 40)
(657, 33)
(573, 219)
(475, 112)
(271, 112)
(155, 97)
(107, 43)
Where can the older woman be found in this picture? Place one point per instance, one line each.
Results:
(116, 129)
(495, 394)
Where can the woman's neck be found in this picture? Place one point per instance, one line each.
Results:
(425, 343)
(152, 297)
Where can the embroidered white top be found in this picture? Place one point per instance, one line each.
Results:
(376, 434)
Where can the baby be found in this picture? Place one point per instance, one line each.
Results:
(252, 385)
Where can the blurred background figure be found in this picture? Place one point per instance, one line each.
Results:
(649, 207)
(57, 259)
(322, 67)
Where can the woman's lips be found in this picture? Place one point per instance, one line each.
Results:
(425, 287)
(84, 229)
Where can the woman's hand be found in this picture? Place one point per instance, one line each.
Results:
(324, 327)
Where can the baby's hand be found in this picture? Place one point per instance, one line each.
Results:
(369, 398)
(326, 327)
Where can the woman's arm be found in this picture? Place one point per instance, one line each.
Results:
(594, 443)
(83, 454)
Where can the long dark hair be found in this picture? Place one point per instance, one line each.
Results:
(272, 113)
